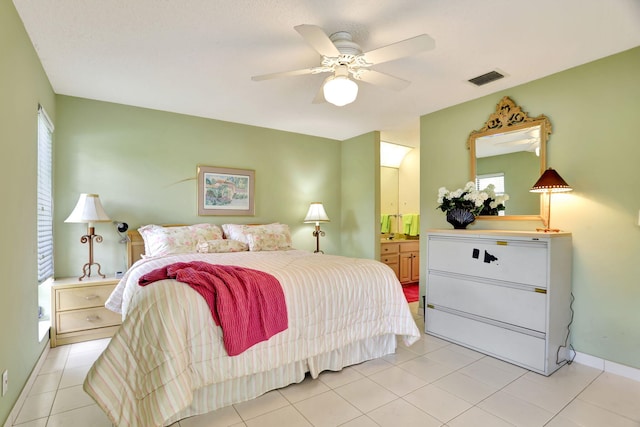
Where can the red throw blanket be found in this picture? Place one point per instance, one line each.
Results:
(247, 304)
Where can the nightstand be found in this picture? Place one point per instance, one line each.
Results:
(78, 311)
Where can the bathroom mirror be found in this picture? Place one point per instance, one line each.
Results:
(510, 149)
(389, 198)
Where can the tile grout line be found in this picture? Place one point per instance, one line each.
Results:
(575, 397)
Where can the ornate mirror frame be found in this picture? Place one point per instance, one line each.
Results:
(509, 117)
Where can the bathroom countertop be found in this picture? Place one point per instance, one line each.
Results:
(400, 239)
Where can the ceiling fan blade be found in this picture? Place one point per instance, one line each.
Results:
(318, 39)
(400, 49)
(386, 80)
(301, 72)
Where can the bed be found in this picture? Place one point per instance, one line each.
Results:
(168, 361)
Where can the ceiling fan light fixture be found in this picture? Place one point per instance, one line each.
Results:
(340, 90)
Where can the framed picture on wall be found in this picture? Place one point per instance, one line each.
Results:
(225, 191)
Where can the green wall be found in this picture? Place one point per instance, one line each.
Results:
(594, 146)
(360, 232)
(143, 163)
(23, 85)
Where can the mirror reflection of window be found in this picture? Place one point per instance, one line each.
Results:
(497, 179)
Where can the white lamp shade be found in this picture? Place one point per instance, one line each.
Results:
(88, 210)
(316, 213)
(340, 90)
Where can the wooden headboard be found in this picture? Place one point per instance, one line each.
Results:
(135, 247)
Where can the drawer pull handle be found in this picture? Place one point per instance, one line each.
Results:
(502, 243)
(541, 291)
(90, 297)
(430, 306)
(93, 318)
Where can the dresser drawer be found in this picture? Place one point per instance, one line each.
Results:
(91, 318)
(518, 261)
(521, 307)
(83, 297)
(515, 347)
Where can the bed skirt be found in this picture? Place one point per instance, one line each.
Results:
(238, 390)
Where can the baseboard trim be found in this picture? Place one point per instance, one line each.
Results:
(13, 415)
(607, 366)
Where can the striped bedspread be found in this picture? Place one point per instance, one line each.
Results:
(168, 345)
(247, 304)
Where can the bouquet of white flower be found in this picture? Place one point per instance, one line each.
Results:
(478, 202)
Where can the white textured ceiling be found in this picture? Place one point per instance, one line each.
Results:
(197, 57)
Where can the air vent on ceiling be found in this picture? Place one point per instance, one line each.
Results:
(489, 77)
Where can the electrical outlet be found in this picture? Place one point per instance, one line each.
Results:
(5, 382)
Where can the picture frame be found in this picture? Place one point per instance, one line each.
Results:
(225, 191)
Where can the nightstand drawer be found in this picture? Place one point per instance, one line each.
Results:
(92, 318)
(85, 297)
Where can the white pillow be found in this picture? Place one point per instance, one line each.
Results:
(268, 242)
(160, 240)
(221, 246)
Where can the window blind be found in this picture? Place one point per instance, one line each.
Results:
(497, 179)
(45, 196)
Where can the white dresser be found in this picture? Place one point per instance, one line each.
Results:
(503, 293)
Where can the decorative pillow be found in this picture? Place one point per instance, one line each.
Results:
(221, 246)
(160, 240)
(268, 242)
(240, 231)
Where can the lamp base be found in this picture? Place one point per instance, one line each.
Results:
(317, 233)
(86, 271)
(89, 238)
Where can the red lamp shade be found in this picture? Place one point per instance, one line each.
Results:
(550, 181)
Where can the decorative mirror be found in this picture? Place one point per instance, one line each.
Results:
(509, 151)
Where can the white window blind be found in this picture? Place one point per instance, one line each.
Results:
(497, 179)
(45, 196)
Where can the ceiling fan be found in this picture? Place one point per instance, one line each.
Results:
(344, 58)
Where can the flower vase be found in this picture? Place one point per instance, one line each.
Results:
(460, 218)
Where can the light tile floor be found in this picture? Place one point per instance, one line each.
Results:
(432, 383)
